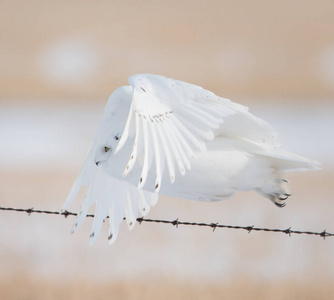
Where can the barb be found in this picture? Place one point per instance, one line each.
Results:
(176, 223)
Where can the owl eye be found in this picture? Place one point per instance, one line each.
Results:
(107, 149)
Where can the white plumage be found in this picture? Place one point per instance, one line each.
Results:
(165, 136)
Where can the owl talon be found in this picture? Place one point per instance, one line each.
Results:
(286, 196)
(280, 204)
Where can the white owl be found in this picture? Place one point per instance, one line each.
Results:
(164, 136)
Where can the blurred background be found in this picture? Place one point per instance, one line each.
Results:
(60, 61)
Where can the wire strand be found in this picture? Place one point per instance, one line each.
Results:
(176, 222)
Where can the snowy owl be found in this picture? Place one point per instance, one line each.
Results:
(164, 136)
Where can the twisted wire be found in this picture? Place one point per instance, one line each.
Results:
(176, 223)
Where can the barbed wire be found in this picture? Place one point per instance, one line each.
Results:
(176, 222)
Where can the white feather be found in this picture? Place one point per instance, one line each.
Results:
(134, 153)
(117, 210)
(147, 161)
(165, 148)
(144, 204)
(103, 205)
(158, 161)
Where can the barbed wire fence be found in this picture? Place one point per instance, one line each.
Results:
(176, 223)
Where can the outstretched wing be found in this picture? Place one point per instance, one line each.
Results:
(173, 120)
(114, 199)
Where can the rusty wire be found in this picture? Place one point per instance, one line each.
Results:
(176, 222)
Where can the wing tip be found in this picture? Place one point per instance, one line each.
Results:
(157, 187)
(131, 223)
(111, 237)
(92, 238)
